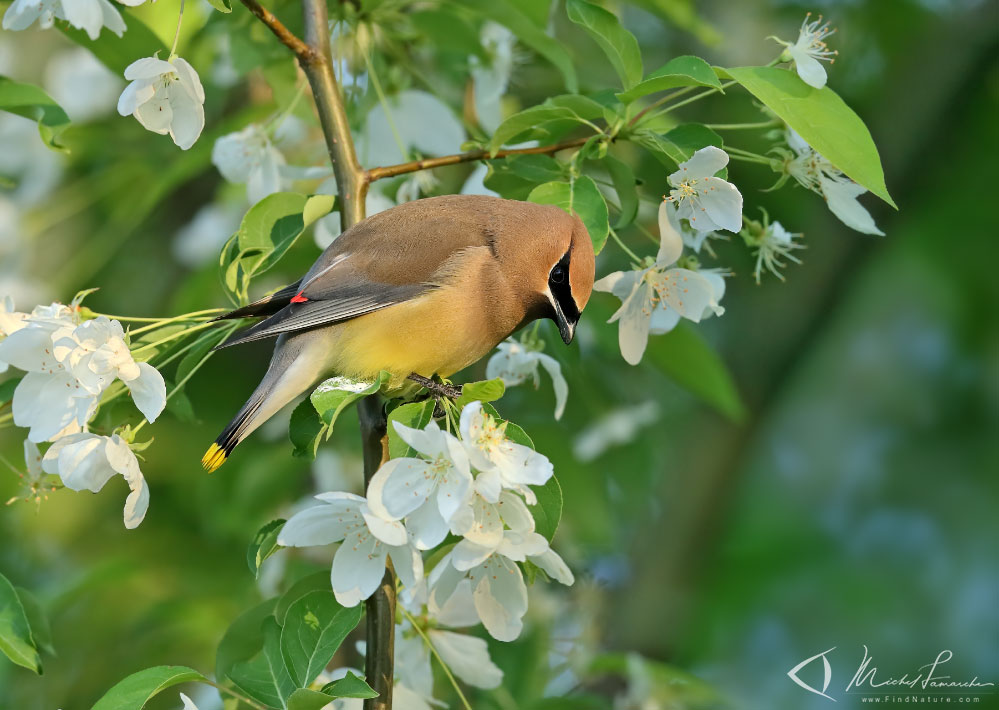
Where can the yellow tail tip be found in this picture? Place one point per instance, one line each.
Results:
(213, 458)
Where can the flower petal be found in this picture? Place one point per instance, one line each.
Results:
(841, 196)
(426, 526)
(722, 203)
(467, 657)
(148, 68)
(633, 330)
(670, 238)
(703, 163)
(358, 568)
(808, 67)
(500, 597)
(399, 487)
(559, 384)
(318, 525)
(554, 566)
(148, 391)
(122, 460)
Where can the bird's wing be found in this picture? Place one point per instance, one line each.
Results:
(386, 259)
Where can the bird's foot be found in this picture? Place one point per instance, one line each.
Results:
(437, 390)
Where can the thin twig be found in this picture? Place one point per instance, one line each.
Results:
(300, 48)
(482, 154)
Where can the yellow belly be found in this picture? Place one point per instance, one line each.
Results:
(429, 335)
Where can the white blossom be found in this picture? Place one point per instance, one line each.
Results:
(188, 703)
(817, 174)
(10, 322)
(410, 120)
(86, 461)
(810, 50)
(467, 657)
(490, 79)
(706, 201)
(654, 299)
(515, 362)
(502, 463)
(69, 366)
(87, 15)
(428, 490)
(359, 562)
(775, 243)
(96, 353)
(248, 156)
(614, 428)
(166, 97)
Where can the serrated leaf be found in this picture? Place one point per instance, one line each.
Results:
(263, 545)
(581, 197)
(618, 44)
(33, 103)
(265, 677)
(531, 34)
(685, 356)
(305, 429)
(483, 391)
(415, 415)
(623, 180)
(350, 686)
(334, 395)
(136, 690)
(244, 638)
(678, 72)
(314, 628)
(822, 119)
(15, 633)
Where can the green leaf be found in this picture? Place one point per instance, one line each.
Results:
(38, 621)
(244, 638)
(683, 15)
(350, 686)
(334, 395)
(305, 699)
(314, 628)
(31, 102)
(223, 6)
(624, 185)
(136, 690)
(531, 34)
(305, 430)
(265, 677)
(678, 72)
(15, 633)
(484, 391)
(548, 512)
(320, 581)
(536, 168)
(114, 52)
(582, 106)
(316, 207)
(821, 117)
(581, 197)
(529, 120)
(691, 363)
(269, 229)
(618, 44)
(264, 545)
(415, 415)
(678, 144)
(7, 388)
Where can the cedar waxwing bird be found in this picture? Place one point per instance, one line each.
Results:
(425, 288)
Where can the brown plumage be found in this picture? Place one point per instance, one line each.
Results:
(428, 287)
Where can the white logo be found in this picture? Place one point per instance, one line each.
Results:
(793, 674)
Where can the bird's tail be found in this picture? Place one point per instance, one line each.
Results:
(297, 364)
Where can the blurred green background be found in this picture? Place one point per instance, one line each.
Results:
(845, 497)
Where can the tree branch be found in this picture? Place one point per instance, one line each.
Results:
(352, 185)
(300, 48)
(483, 154)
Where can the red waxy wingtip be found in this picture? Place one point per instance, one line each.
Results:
(299, 298)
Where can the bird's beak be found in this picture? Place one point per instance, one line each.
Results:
(565, 328)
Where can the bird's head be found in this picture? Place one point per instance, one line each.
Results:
(569, 278)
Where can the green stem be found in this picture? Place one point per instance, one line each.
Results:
(629, 252)
(742, 126)
(197, 315)
(444, 666)
(176, 36)
(167, 339)
(239, 696)
(385, 107)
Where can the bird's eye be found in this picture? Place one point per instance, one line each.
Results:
(558, 274)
